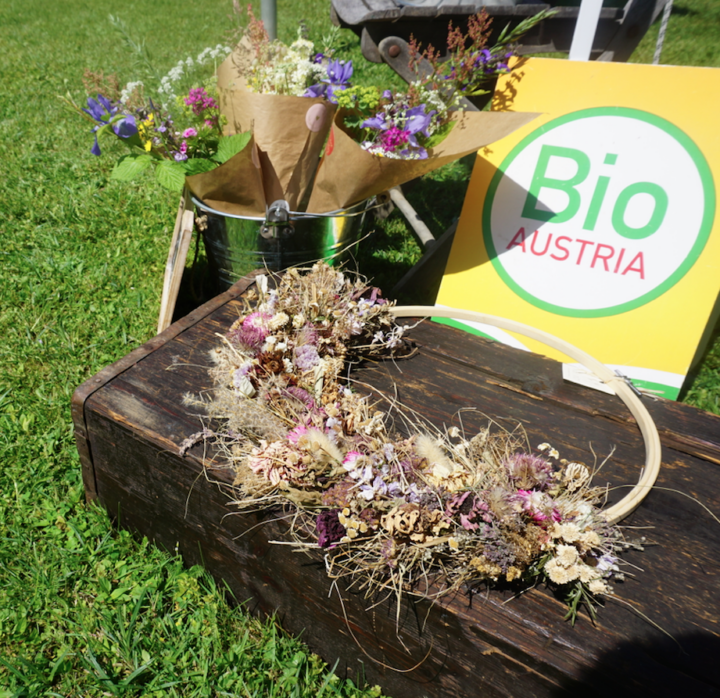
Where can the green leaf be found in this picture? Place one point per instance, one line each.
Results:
(231, 145)
(171, 175)
(195, 166)
(130, 166)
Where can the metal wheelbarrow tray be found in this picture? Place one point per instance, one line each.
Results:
(619, 29)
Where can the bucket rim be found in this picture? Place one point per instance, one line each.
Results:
(355, 210)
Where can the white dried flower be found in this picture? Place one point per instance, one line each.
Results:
(243, 386)
(587, 573)
(278, 320)
(560, 574)
(590, 539)
(575, 476)
(566, 555)
(261, 281)
(569, 532)
(597, 586)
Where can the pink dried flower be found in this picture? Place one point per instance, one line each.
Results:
(275, 461)
(296, 434)
(527, 471)
(252, 332)
(538, 505)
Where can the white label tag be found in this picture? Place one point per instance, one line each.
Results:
(576, 373)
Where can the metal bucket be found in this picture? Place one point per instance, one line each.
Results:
(235, 245)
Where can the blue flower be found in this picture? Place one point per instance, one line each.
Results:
(339, 72)
(338, 77)
(103, 111)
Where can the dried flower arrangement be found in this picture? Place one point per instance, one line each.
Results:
(426, 512)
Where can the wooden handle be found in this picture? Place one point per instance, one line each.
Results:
(182, 233)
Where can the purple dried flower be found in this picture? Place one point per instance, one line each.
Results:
(329, 528)
(306, 357)
(301, 395)
(339, 495)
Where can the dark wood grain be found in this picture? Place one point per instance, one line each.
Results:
(491, 644)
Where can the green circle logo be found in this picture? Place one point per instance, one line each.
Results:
(599, 212)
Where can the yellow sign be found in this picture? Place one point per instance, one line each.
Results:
(597, 221)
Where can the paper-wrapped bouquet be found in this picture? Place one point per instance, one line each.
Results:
(281, 122)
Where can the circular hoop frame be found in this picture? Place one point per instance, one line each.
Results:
(649, 432)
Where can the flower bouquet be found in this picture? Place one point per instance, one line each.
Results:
(341, 144)
(285, 123)
(412, 510)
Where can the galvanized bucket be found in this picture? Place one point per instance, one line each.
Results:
(235, 245)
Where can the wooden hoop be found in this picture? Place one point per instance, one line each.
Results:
(649, 431)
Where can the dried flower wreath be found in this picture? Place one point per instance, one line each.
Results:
(393, 513)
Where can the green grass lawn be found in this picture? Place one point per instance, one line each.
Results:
(86, 610)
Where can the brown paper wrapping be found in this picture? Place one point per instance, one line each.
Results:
(235, 187)
(348, 174)
(289, 131)
(282, 161)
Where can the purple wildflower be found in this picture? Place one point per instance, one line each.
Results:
(103, 111)
(337, 80)
(399, 130)
(394, 137)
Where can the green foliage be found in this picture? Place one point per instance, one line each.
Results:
(359, 98)
(130, 166)
(194, 166)
(170, 175)
(231, 145)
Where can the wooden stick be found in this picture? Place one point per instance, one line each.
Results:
(176, 260)
(411, 216)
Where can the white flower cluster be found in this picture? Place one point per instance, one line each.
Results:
(182, 67)
(567, 564)
(129, 89)
(290, 72)
(432, 100)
